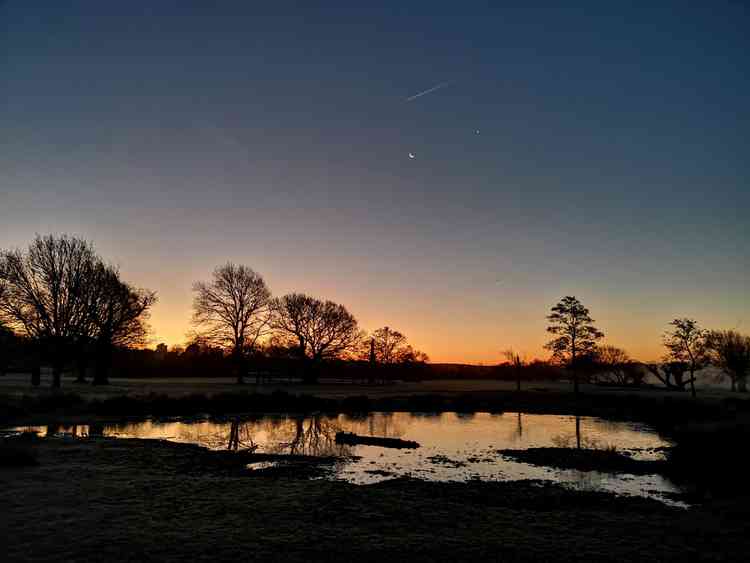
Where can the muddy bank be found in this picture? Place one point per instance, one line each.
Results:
(147, 500)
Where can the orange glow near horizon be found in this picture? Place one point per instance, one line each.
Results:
(481, 342)
(452, 317)
(280, 139)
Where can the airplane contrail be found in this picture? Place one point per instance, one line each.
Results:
(425, 92)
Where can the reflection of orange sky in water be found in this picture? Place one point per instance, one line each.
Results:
(315, 435)
(453, 447)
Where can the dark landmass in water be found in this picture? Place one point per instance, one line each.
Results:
(354, 439)
(606, 461)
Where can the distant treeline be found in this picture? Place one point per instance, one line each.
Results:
(62, 305)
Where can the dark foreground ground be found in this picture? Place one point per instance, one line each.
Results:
(141, 500)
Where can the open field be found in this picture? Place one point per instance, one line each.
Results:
(18, 384)
(149, 500)
(109, 499)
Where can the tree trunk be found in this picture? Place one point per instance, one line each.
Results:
(239, 366)
(234, 436)
(56, 374)
(371, 366)
(310, 374)
(81, 367)
(103, 360)
(36, 374)
(692, 382)
(742, 384)
(578, 432)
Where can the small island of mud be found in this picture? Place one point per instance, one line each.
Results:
(606, 461)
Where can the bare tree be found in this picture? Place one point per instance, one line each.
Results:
(517, 362)
(392, 347)
(730, 351)
(7, 340)
(613, 365)
(576, 336)
(320, 330)
(45, 294)
(387, 347)
(5, 334)
(671, 374)
(687, 343)
(118, 317)
(232, 311)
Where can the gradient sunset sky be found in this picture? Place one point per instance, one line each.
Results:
(611, 161)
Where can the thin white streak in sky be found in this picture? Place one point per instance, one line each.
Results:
(425, 92)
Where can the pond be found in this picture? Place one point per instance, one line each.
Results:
(453, 446)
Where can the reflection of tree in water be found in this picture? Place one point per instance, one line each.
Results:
(274, 434)
(516, 434)
(383, 425)
(612, 426)
(580, 441)
(314, 436)
(241, 436)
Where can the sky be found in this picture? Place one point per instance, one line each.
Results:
(593, 149)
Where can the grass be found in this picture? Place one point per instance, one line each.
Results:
(150, 500)
(664, 410)
(18, 451)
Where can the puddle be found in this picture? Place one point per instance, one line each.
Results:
(453, 446)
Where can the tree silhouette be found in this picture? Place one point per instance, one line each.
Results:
(671, 374)
(389, 348)
(730, 351)
(576, 336)
(118, 314)
(320, 330)
(7, 339)
(45, 294)
(613, 365)
(687, 343)
(517, 362)
(392, 347)
(232, 311)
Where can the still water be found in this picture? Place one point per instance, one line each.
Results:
(454, 447)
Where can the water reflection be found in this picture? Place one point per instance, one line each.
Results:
(315, 436)
(241, 437)
(454, 446)
(516, 434)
